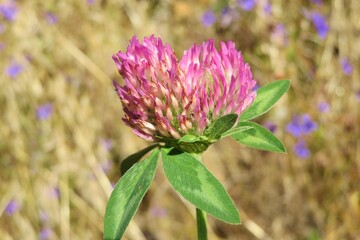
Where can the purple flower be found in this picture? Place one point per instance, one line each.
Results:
(323, 107)
(45, 233)
(301, 125)
(90, 2)
(346, 66)
(164, 98)
(301, 150)
(317, 1)
(320, 24)
(44, 111)
(267, 8)
(228, 16)
(12, 207)
(279, 34)
(208, 18)
(14, 69)
(9, 10)
(55, 192)
(247, 5)
(270, 126)
(51, 18)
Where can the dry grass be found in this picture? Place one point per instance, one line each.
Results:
(59, 170)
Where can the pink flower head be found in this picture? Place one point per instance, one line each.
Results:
(166, 98)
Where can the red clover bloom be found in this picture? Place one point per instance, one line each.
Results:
(164, 98)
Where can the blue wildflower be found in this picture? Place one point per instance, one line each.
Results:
(51, 18)
(301, 125)
(54, 192)
(301, 149)
(270, 126)
(319, 2)
(12, 207)
(247, 5)
(279, 34)
(9, 10)
(45, 233)
(267, 8)
(323, 107)
(320, 24)
(208, 18)
(14, 69)
(44, 111)
(346, 66)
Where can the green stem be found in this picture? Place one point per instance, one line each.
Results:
(201, 224)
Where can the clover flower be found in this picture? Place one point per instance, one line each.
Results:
(166, 98)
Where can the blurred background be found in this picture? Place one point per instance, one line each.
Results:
(62, 138)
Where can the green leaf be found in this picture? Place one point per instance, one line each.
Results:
(127, 195)
(259, 137)
(221, 125)
(235, 130)
(195, 183)
(128, 162)
(265, 99)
